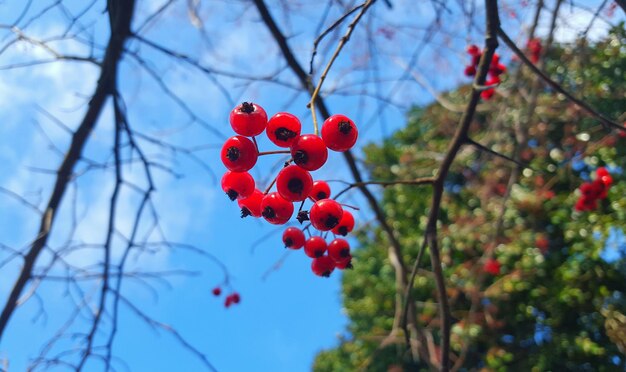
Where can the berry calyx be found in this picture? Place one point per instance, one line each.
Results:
(346, 224)
(323, 266)
(315, 246)
(344, 264)
(283, 129)
(239, 154)
(248, 119)
(251, 206)
(320, 191)
(294, 183)
(309, 152)
(339, 249)
(293, 238)
(325, 214)
(276, 209)
(339, 133)
(237, 185)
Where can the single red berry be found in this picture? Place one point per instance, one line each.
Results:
(251, 206)
(492, 266)
(325, 214)
(470, 70)
(339, 133)
(217, 291)
(320, 191)
(473, 49)
(228, 301)
(309, 152)
(293, 238)
(339, 249)
(323, 266)
(495, 59)
(237, 185)
(487, 94)
(276, 209)
(344, 264)
(235, 297)
(294, 183)
(239, 154)
(315, 246)
(283, 129)
(248, 119)
(346, 224)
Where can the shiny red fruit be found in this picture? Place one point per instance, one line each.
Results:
(293, 238)
(276, 209)
(344, 264)
(237, 185)
(248, 119)
(320, 191)
(239, 154)
(339, 133)
(473, 49)
(325, 214)
(283, 129)
(251, 206)
(346, 224)
(470, 70)
(309, 152)
(323, 266)
(315, 246)
(339, 249)
(294, 183)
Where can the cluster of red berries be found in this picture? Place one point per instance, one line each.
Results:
(495, 69)
(231, 299)
(534, 47)
(294, 183)
(591, 192)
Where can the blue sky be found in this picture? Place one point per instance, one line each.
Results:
(283, 321)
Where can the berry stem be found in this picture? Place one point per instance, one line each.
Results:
(274, 152)
(270, 186)
(351, 207)
(256, 144)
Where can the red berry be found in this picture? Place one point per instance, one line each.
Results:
(325, 214)
(320, 191)
(492, 266)
(323, 266)
(239, 154)
(344, 264)
(315, 246)
(251, 206)
(339, 133)
(293, 238)
(473, 50)
(495, 59)
(283, 129)
(470, 70)
(294, 183)
(235, 297)
(248, 119)
(309, 152)
(346, 224)
(217, 291)
(276, 209)
(339, 249)
(237, 185)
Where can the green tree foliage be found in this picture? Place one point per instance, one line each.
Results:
(558, 302)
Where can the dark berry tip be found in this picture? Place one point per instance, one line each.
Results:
(232, 153)
(295, 185)
(345, 127)
(268, 212)
(331, 222)
(326, 274)
(284, 134)
(303, 216)
(343, 230)
(344, 253)
(321, 195)
(288, 242)
(349, 266)
(300, 157)
(232, 194)
(247, 107)
(319, 253)
(245, 212)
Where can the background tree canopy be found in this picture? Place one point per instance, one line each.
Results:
(558, 300)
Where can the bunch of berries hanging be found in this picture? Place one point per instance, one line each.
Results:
(294, 183)
(230, 300)
(495, 70)
(534, 47)
(591, 192)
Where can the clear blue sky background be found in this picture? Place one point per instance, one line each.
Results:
(283, 321)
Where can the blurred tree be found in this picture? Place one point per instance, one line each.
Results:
(532, 281)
